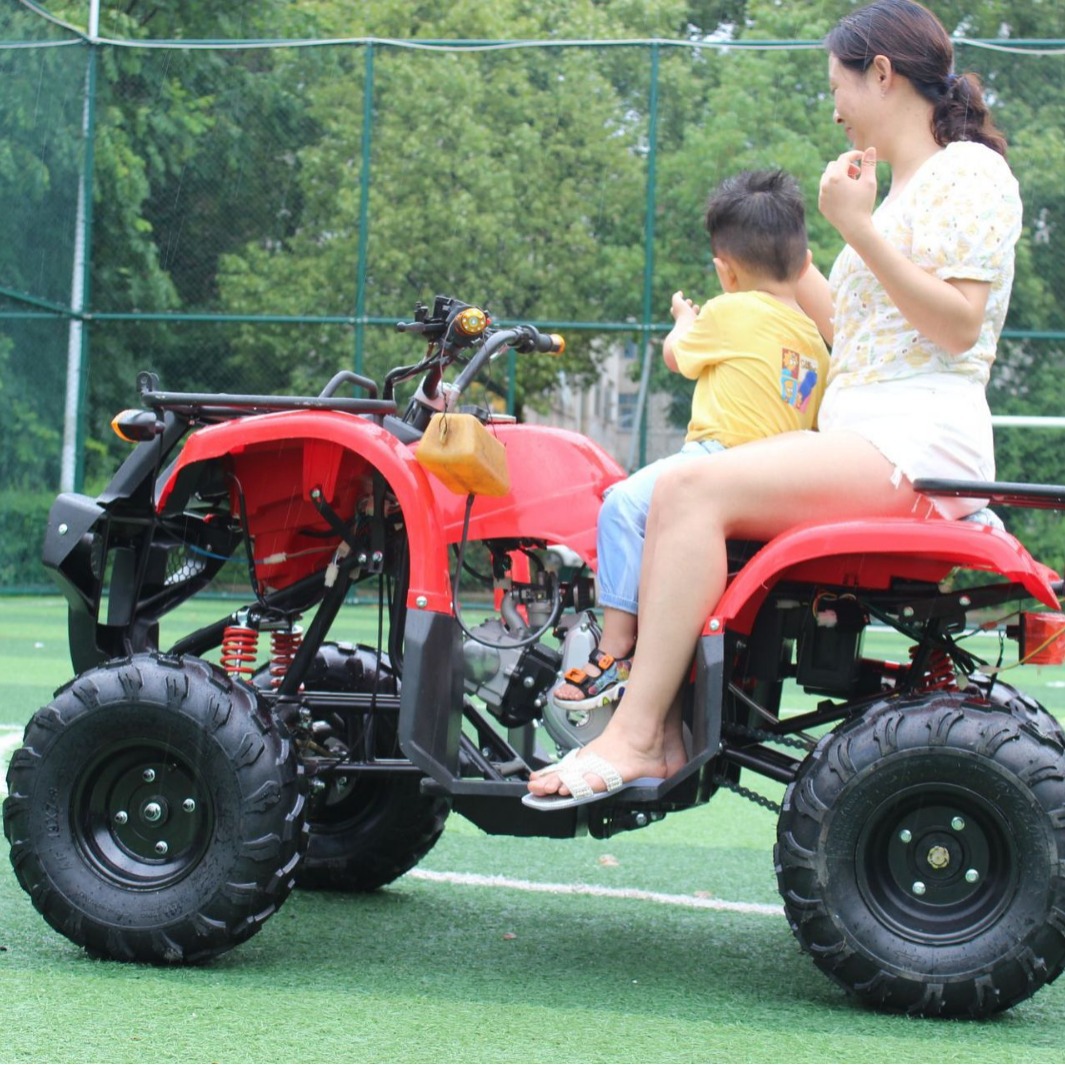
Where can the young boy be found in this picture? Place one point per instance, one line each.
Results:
(759, 366)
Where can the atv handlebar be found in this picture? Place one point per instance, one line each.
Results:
(523, 338)
(457, 330)
(453, 329)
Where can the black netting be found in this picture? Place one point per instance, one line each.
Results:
(256, 222)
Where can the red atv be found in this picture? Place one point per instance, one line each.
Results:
(162, 807)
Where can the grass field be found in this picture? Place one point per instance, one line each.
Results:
(665, 945)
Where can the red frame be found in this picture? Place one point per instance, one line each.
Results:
(559, 478)
(278, 459)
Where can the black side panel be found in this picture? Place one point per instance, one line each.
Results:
(709, 697)
(430, 715)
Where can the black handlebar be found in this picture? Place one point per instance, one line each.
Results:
(455, 330)
(523, 338)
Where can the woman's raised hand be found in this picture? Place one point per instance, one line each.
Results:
(847, 194)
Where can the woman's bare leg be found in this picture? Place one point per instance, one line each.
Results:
(753, 492)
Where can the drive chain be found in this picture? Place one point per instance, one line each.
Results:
(746, 732)
(747, 793)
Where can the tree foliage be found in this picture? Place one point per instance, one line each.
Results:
(230, 182)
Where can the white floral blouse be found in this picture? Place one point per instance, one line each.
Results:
(959, 217)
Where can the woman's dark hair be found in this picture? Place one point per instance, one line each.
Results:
(758, 217)
(921, 50)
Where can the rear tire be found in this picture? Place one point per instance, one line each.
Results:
(1023, 707)
(367, 830)
(154, 813)
(920, 855)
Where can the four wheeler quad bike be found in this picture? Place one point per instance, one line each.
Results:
(162, 807)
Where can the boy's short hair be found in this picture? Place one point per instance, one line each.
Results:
(757, 217)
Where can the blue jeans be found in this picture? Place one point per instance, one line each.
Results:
(623, 524)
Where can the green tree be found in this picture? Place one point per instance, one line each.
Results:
(231, 180)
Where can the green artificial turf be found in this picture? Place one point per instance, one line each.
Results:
(432, 970)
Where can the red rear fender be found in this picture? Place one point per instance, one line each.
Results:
(871, 554)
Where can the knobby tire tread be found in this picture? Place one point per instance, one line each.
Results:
(834, 921)
(245, 869)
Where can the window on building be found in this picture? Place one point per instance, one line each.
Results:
(627, 403)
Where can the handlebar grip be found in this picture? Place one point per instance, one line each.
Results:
(552, 343)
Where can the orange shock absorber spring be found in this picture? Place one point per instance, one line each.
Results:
(284, 643)
(240, 648)
(939, 671)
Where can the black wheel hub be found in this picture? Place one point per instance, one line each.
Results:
(143, 816)
(937, 869)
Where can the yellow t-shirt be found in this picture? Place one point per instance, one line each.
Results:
(759, 368)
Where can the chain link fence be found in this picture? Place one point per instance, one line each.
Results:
(252, 216)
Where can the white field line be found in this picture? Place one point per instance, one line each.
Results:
(691, 902)
(11, 737)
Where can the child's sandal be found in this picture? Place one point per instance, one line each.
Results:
(606, 687)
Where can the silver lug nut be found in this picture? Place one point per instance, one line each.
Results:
(905, 835)
(121, 817)
(148, 776)
(161, 847)
(189, 805)
(957, 823)
(971, 875)
(918, 887)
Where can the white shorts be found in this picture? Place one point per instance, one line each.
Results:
(936, 425)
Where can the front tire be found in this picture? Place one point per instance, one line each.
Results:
(154, 813)
(920, 854)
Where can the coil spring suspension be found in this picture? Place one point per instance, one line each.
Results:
(240, 649)
(284, 643)
(938, 672)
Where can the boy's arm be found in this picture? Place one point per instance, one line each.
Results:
(684, 313)
(815, 298)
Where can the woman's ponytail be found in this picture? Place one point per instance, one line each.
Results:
(962, 115)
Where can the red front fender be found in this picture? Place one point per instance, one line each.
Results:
(279, 459)
(276, 460)
(557, 482)
(870, 554)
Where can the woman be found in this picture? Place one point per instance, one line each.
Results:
(913, 309)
